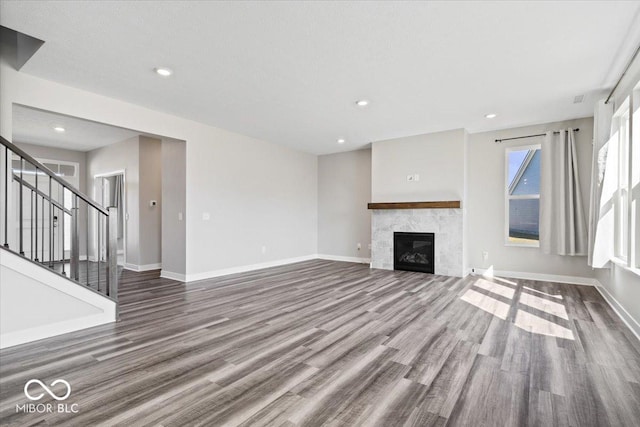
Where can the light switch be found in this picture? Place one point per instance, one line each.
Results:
(416, 177)
(179, 216)
(206, 216)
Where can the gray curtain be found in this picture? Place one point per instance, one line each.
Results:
(563, 228)
(117, 202)
(116, 190)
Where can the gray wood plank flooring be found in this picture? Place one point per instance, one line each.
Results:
(337, 344)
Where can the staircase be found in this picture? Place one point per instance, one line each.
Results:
(55, 235)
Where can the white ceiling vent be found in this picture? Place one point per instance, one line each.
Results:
(578, 99)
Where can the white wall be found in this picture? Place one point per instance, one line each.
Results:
(56, 305)
(620, 285)
(41, 298)
(80, 157)
(622, 288)
(141, 159)
(125, 156)
(150, 157)
(437, 157)
(53, 153)
(257, 193)
(344, 189)
(439, 160)
(173, 209)
(485, 202)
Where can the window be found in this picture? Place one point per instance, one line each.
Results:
(624, 145)
(634, 230)
(522, 196)
(621, 201)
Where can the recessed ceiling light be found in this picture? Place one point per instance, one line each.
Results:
(341, 141)
(59, 129)
(491, 115)
(362, 103)
(164, 72)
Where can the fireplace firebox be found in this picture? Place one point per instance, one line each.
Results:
(414, 252)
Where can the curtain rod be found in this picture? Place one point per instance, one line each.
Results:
(623, 74)
(529, 136)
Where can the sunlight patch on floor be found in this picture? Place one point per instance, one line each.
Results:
(486, 303)
(503, 280)
(537, 325)
(550, 307)
(524, 320)
(495, 288)
(542, 293)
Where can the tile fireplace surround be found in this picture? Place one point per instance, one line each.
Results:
(446, 224)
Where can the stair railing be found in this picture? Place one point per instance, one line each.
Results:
(53, 224)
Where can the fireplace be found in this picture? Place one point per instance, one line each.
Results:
(414, 252)
(445, 223)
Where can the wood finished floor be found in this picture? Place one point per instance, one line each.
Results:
(338, 344)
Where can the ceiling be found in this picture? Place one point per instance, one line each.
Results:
(36, 127)
(290, 72)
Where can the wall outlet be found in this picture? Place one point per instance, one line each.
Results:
(153, 203)
(206, 216)
(264, 250)
(359, 246)
(485, 255)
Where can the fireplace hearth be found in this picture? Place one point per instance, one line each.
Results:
(414, 252)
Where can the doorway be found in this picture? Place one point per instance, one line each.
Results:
(110, 191)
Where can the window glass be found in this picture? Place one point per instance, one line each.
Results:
(523, 196)
(52, 167)
(527, 179)
(67, 170)
(524, 226)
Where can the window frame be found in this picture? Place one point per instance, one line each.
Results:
(627, 214)
(622, 202)
(634, 180)
(508, 197)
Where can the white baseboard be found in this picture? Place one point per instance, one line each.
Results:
(173, 276)
(622, 313)
(244, 268)
(573, 280)
(11, 339)
(345, 258)
(145, 267)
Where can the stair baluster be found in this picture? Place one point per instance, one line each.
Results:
(43, 203)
